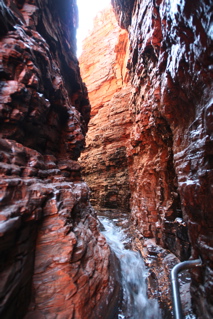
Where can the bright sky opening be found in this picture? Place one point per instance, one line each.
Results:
(87, 12)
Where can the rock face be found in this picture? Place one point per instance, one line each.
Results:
(51, 252)
(171, 140)
(168, 148)
(103, 59)
(104, 159)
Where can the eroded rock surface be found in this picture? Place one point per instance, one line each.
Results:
(103, 59)
(168, 149)
(171, 71)
(104, 159)
(51, 252)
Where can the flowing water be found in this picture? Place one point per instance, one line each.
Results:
(135, 304)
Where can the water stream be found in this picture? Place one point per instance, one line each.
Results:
(135, 303)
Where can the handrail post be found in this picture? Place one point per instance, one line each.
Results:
(175, 284)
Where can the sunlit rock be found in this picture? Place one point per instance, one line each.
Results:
(104, 160)
(168, 148)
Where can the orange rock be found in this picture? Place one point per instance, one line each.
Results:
(104, 159)
(103, 60)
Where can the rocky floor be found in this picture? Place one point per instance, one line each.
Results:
(159, 263)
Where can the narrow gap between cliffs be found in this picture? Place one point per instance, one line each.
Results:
(145, 265)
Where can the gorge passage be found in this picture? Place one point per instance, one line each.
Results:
(148, 153)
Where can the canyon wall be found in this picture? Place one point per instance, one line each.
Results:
(168, 145)
(104, 160)
(52, 255)
(171, 146)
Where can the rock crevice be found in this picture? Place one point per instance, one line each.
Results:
(168, 145)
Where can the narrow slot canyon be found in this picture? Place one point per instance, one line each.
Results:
(106, 160)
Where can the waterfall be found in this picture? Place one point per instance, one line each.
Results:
(135, 303)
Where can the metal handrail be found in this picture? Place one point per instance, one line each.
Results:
(175, 284)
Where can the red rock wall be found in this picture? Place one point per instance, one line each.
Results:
(51, 252)
(104, 159)
(170, 151)
(103, 58)
(168, 145)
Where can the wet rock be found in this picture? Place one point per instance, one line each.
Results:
(170, 170)
(53, 262)
(123, 11)
(168, 149)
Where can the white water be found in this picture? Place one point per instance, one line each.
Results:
(135, 303)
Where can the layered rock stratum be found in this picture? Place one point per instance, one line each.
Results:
(104, 160)
(149, 151)
(54, 263)
(168, 147)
